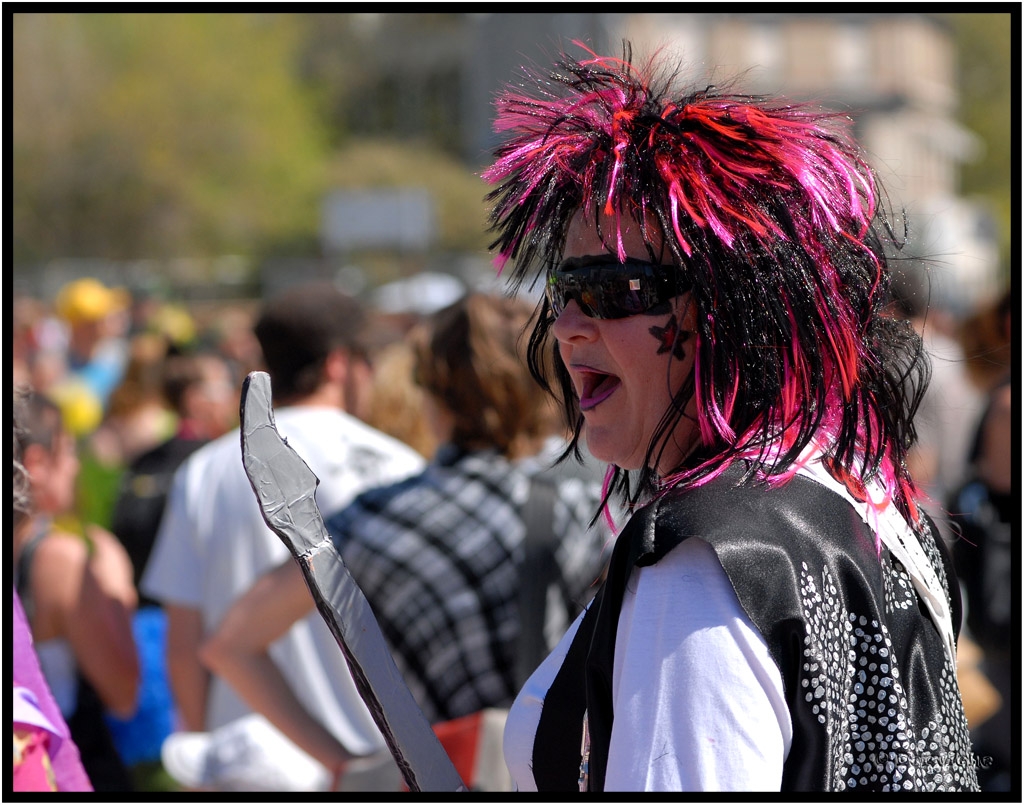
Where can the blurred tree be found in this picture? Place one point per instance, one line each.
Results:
(986, 87)
(156, 135)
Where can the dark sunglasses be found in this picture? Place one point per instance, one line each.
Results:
(613, 290)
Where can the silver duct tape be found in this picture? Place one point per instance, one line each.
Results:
(285, 488)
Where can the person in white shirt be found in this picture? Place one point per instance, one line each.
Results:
(778, 612)
(213, 543)
(470, 565)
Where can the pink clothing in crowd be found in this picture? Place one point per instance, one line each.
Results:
(41, 716)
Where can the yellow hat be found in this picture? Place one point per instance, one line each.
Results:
(174, 322)
(80, 408)
(89, 299)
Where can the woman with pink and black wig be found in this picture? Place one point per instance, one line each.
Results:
(778, 613)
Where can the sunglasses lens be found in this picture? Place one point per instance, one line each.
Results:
(613, 291)
(555, 292)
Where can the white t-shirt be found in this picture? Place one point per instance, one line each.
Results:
(712, 718)
(213, 545)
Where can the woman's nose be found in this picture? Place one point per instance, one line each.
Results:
(573, 325)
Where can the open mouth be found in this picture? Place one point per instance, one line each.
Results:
(596, 387)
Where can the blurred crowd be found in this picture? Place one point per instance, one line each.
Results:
(116, 393)
(121, 402)
(117, 390)
(962, 463)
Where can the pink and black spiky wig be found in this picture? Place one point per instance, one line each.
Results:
(773, 216)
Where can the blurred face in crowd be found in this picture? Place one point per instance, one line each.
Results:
(626, 370)
(53, 471)
(213, 403)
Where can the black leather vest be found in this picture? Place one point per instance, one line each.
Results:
(871, 692)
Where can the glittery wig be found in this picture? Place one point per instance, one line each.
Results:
(773, 216)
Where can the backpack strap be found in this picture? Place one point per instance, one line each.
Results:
(23, 569)
(537, 572)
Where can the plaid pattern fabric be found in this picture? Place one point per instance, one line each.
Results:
(436, 557)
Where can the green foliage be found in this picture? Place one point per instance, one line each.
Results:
(985, 84)
(154, 135)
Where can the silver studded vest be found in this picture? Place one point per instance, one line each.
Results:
(871, 691)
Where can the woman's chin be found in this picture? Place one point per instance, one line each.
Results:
(605, 448)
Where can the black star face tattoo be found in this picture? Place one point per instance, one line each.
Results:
(670, 337)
